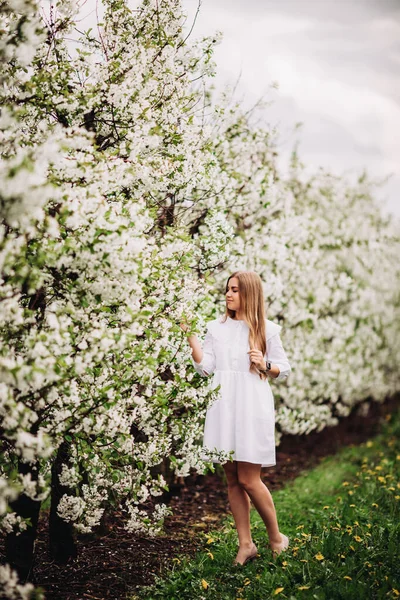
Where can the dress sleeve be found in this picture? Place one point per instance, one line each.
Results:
(207, 365)
(277, 356)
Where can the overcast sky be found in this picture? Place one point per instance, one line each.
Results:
(337, 65)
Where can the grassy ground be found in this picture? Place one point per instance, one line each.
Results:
(342, 519)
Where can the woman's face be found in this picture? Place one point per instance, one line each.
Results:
(232, 296)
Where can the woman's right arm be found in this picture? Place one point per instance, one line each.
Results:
(203, 359)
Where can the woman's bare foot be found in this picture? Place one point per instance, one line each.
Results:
(278, 548)
(246, 552)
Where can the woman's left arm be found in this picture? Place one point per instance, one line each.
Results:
(277, 357)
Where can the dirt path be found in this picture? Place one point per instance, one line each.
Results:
(113, 563)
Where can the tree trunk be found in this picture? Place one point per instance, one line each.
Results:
(20, 547)
(61, 534)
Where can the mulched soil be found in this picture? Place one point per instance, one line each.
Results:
(112, 563)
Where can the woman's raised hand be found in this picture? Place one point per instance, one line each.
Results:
(256, 357)
(184, 326)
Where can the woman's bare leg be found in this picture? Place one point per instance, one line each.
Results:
(240, 506)
(249, 477)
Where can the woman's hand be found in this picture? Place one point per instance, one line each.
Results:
(184, 326)
(197, 351)
(256, 357)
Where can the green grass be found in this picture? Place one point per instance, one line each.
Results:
(342, 518)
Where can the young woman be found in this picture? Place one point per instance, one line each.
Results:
(243, 350)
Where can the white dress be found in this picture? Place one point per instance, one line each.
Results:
(243, 416)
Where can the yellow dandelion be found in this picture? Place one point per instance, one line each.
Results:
(375, 504)
(345, 483)
(398, 457)
(284, 563)
(319, 556)
(392, 489)
(210, 540)
(300, 527)
(369, 525)
(397, 497)
(378, 468)
(176, 560)
(352, 547)
(342, 556)
(347, 577)
(211, 555)
(369, 444)
(304, 587)
(382, 479)
(395, 592)
(398, 484)
(278, 591)
(204, 584)
(247, 581)
(356, 523)
(352, 505)
(324, 507)
(350, 492)
(357, 538)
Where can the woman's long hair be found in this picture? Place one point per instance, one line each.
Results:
(253, 309)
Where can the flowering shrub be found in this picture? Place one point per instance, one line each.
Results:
(127, 197)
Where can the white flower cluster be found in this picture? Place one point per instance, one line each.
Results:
(140, 522)
(215, 235)
(10, 520)
(70, 508)
(68, 476)
(8, 493)
(11, 589)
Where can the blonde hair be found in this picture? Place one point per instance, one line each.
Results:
(252, 307)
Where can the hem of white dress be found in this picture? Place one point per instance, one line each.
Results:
(253, 462)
